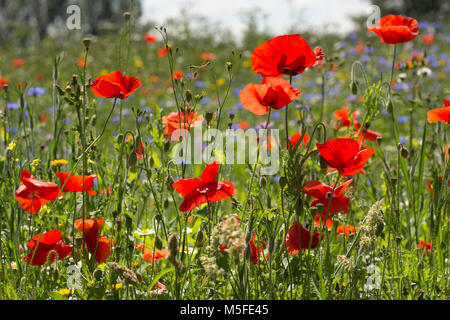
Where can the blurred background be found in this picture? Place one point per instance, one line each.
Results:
(28, 21)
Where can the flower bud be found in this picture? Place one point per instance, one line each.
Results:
(86, 42)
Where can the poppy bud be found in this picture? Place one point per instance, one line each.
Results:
(271, 245)
(390, 107)
(132, 160)
(263, 182)
(231, 116)
(158, 243)
(158, 217)
(86, 42)
(166, 204)
(404, 152)
(152, 162)
(354, 88)
(128, 222)
(199, 238)
(209, 117)
(282, 182)
(170, 182)
(166, 146)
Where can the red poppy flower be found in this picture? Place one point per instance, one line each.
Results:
(322, 193)
(343, 116)
(255, 252)
(35, 192)
(244, 125)
(178, 123)
(288, 54)
(206, 189)
(75, 183)
(272, 93)
(347, 230)
(159, 254)
(296, 137)
(344, 155)
(149, 38)
(428, 38)
(208, 56)
(43, 118)
(18, 63)
(47, 246)
(162, 52)
(177, 74)
(101, 246)
(3, 81)
(80, 63)
(426, 246)
(115, 85)
(440, 114)
(396, 29)
(307, 240)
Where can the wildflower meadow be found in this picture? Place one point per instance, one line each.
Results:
(172, 162)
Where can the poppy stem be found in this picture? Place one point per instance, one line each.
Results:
(288, 143)
(257, 162)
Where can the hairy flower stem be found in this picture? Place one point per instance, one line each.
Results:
(83, 143)
(254, 167)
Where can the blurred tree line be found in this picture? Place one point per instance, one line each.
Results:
(35, 19)
(421, 10)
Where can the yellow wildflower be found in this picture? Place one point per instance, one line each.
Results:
(59, 162)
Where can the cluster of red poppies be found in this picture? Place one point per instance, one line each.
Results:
(33, 194)
(284, 55)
